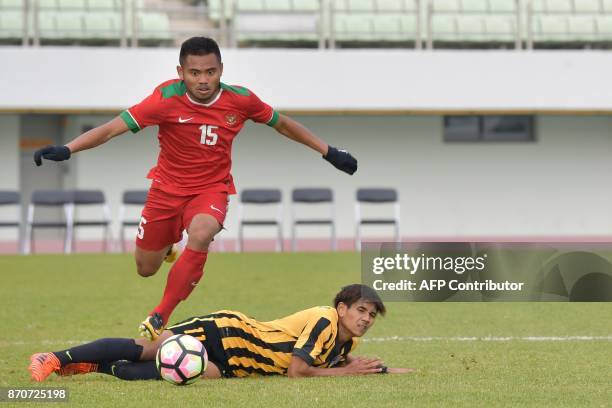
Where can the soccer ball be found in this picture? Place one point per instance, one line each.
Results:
(181, 359)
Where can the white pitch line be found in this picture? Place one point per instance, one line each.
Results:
(488, 338)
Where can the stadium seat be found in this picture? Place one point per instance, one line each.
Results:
(502, 6)
(12, 199)
(153, 26)
(471, 28)
(48, 5)
(374, 197)
(559, 6)
(69, 25)
(581, 28)
(250, 5)
(306, 5)
(355, 27)
(260, 197)
(92, 198)
(131, 198)
(446, 6)
(11, 24)
(477, 6)
(360, 5)
(310, 197)
(443, 28)
(588, 6)
(11, 5)
(103, 25)
(500, 28)
(72, 5)
(551, 28)
(396, 5)
(103, 5)
(388, 27)
(214, 9)
(604, 28)
(50, 199)
(278, 5)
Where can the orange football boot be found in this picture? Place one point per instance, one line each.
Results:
(42, 365)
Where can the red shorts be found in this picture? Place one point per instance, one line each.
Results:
(166, 215)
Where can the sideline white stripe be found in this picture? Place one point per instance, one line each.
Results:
(487, 338)
(367, 340)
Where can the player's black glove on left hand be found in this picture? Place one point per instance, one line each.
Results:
(341, 159)
(55, 153)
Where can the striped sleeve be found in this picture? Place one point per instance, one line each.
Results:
(310, 343)
(146, 113)
(259, 111)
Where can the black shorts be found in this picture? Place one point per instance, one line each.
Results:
(207, 332)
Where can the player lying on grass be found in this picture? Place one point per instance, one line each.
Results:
(198, 118)
(310, 343)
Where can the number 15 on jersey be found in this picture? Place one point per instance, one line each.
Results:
(208, 136)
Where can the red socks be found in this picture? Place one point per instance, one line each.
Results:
(182, 279)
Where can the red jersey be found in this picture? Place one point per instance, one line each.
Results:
(195, 139)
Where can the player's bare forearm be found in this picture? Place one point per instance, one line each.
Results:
(295, 131)
(357, 366)
(98, 135)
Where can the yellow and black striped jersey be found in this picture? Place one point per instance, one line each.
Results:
(266, 348)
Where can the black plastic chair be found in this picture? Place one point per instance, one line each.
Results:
(92, 198)
(312, 196)
(49, 199)
(258, 197)
(376, 196)
(12, 198)
(131, 198)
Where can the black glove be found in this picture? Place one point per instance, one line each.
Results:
(341, 159)
(56, 153)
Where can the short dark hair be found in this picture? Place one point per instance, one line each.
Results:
(199, 46)
(353, 293)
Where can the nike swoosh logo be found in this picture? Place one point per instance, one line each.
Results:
(181, 120)
(215, 208)
(194, 284)
(69, 356)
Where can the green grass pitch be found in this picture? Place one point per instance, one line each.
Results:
(50, 302)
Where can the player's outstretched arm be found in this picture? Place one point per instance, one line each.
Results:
(87, 140)
(340, 159)
(355, 366)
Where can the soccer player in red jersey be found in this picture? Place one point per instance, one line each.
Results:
(198, 117)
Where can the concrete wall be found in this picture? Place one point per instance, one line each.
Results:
(63, 78)
(556, 186)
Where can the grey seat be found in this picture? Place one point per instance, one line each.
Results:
(92, 198)
(60, 199)
(376, 196)
(131, 198)
(11, 198)
(260, 197)
(312, 196)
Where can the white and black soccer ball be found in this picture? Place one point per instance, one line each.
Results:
(181, 359)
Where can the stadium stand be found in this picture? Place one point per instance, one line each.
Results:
(312, 23)
(310, 197)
